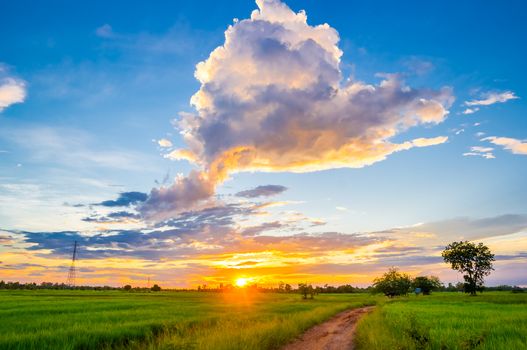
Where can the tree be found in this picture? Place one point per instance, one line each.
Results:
(127, 287)
(474, 261)
(426, 284)
(392, 283)
(155, 288)
(306, 289)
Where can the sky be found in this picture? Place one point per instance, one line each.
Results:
(298, 141)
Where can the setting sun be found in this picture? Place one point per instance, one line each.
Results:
(241, 282)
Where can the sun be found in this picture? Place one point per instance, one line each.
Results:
(241, 282)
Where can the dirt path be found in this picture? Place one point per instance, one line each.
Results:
(334, 334)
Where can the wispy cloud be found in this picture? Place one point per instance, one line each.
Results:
(470, 110)
(105, 31)
(468, 228)
(125, 199)
(514, 145)
(490, 98)
(425, 142)
(72, 148)
(484, 152)
(262, 191)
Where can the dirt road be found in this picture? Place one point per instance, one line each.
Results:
(334, 334)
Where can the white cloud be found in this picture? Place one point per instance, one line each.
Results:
(484, 152)
(105, 31)
(490, 98)
(470, 110)
(425, 142)
(272, 99)
(12, 90)
(481, 149)
(164, 143)
(483, 155)
(514, 145)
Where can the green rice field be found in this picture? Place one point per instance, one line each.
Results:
(164, 320)
(55, 319)
(494, 320)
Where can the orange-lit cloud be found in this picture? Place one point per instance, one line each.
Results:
(209, 246)
(514, 145)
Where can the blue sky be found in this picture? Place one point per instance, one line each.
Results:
(102, 84)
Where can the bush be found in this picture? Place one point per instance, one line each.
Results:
(155, 288)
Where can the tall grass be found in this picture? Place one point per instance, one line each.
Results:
(166, 320)
(169, 320)
(447, 321)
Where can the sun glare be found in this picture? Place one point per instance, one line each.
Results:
(241, 282)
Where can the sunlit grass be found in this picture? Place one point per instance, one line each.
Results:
(247, 320)
(447, 321)
(165, 320)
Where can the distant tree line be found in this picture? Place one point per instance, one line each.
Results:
(286, 288)
(50, 285)
(63, 286)
(154, 288)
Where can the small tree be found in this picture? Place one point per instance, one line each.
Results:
(306, 289)
(475, 261)
(392, 283)
(426, 284)
(155, 288)
(127, 287)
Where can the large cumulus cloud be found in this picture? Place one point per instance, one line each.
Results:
(273, 98)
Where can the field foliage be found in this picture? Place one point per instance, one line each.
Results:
(496, 320)
(164, 320)
(57, 319)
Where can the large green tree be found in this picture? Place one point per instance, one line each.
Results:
(473, 260)
(392, 283)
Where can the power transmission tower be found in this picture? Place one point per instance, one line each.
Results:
(71, 273)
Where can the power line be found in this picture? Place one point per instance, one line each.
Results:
(72, 271)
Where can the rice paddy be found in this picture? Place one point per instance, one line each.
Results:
(54, 319)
